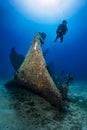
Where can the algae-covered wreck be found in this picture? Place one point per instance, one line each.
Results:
(34, 75)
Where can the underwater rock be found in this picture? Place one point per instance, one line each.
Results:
(16, 59)
(34, 74)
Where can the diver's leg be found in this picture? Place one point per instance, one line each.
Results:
(61, 38)
(56, 38)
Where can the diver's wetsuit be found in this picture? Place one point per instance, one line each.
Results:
(61, 30)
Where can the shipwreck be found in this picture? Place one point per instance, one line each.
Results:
(34, 75)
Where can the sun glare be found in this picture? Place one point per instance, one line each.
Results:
(47, 11)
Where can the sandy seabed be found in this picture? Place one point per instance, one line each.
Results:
(22, 110)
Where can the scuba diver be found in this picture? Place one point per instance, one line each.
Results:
(61, 30)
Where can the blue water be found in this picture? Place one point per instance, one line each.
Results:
(18, 31)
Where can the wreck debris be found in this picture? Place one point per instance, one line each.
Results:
(63, 85)
(43, 36)
(34, 74)
(66, 87)
(16, 59)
